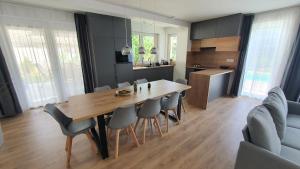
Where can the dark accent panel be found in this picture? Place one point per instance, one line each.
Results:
(229, 25)
(124, 72)
(9, 103)
(153, 74)
(100, 25)
(245, 34)
(218, 27)
(218, 86)
(119, 27)
(85, 55)
(291, 80)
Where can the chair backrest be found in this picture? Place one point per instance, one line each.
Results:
(140, 81)
(122, 117)
(102, 88)
(124, 84)
(181, 81)
(61, 118)
(150, 108)
(172, 101)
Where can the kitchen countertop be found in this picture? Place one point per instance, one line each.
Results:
(213, 72)
(144, 67)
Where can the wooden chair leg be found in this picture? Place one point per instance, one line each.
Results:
(69, 150)
(117, 143)
(93, 144)
(144, 131)
(133, 136)
(67, 144)
(136, 124)
(157, 126)
(167, 120)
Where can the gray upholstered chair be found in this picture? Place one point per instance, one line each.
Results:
(140, 81)
(149, 111)
(184, 82)
(124, 84)
(71, 128)
(170, 103)
(102, 88)
(123, 118)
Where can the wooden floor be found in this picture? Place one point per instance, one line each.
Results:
(204, 140)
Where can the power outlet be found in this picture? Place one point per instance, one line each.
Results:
(230, 60)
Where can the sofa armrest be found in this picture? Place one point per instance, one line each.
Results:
(293, 107)
(253, 157)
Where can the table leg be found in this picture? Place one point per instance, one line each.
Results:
(102, 137)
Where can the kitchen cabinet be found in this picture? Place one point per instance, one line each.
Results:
(155, 73)
(224, 44)
(124, 72)
(219, 27)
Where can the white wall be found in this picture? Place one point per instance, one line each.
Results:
(182, 46)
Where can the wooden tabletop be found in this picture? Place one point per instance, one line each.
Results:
(94, 104)
(213, 72)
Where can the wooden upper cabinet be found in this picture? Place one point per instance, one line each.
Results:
(219, 44)
(215, 28)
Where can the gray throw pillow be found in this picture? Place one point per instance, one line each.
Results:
(278, 91)
(278, 113)
(262, 129)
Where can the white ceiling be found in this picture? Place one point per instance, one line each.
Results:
(195, 10)
(177, 12)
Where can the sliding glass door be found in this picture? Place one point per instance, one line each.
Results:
(47, 62)
(270, 42)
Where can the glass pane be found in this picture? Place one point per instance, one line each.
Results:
(135, 47)
(70, 64)
(148, 41)
(173, 46)
(32, 59)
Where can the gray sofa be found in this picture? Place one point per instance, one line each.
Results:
(272, 135)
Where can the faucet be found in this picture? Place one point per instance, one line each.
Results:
(149, 60)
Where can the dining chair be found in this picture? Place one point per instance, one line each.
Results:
(124, 84)
(184, 82)
(140, 81)
(123, 118)
(102, 88)
(170, 103)
(71, 128)
(149, 111)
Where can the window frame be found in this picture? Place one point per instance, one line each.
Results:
(169, 36)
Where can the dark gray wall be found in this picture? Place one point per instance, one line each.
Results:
(107, 35)
(218, 27)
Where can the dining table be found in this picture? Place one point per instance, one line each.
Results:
(98, 104)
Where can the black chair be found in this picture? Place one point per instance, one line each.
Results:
(71, 128)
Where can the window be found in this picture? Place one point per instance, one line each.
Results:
(48, 63)
(148, 41)
(172, 46)
(270, 42)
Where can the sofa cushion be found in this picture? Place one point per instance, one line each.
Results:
(278, 113)
(290, 154)
(292, 138)
(262, 129)
(278, 91)
(293, 120)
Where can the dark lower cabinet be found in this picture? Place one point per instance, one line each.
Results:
(124, 72)
(153, 74)
(1, 136)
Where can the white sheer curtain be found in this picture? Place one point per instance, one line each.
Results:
(270, 42)
(41, 50)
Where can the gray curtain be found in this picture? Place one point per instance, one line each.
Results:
(84, 48)
(245, 34)
(291, 80)
(9, 103)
